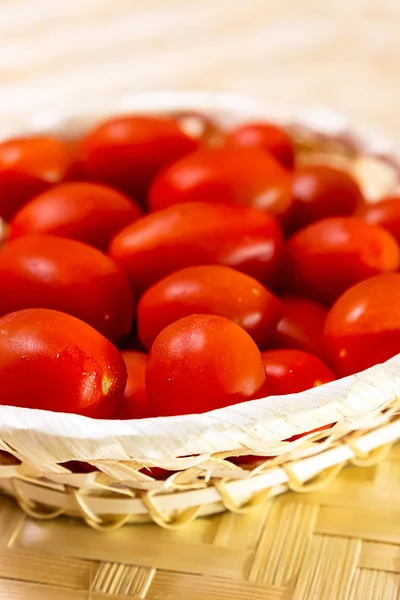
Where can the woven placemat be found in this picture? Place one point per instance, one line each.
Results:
(342, 543)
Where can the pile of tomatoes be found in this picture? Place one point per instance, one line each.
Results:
(151, 269)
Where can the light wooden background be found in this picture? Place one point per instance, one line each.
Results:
(342, 53)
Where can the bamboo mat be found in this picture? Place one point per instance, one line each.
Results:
(342, 543)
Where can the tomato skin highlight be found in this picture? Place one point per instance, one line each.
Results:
(266, 136)
(385, 213)
(201, 363)
(227, 175)
(210, 289)
(44, 271)
(127, 152)
(329, 256)
(52, 361)
(198, 233)
(28, 166)
(134, 404)
(83, 211)
(363, 326)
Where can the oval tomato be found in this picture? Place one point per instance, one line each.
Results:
(134, 404)
(198, 234)
(291, 371)
(385, 213)
(327, 257)
(127, 152)
(52, 361)
(44, 271)
(301, 326)
(266, 136)
(83, 211)
(28, 166)
(242, 176)
(363, 326)
(321, 191)
(201, 363)
(208, 290)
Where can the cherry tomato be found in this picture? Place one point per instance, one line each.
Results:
(385, 213)
(52, 361)
(84, 211)
(328, 256)
(134, 404)
(201, 363)
(44, 271)
(127, 152)
(208, 290)
(321, 191)
(301, 326)
(28, 166)
(268, 137)
(243, 176)
(363, 326)
(291, 371)
(201, 128)
(198, 233)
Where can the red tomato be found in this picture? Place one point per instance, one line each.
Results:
(243, 176)
(301, 326)
(363, 326)
(208, 290)
(198, 233)
(134, 404)
(321, 191)
(28, 166)
(44, 271)
(292, 371)
(83, 211)
(385, 213)
(201, 128)
(52, 361)
(268, 137)
(201, 363)
(328, 256)
(128, 151)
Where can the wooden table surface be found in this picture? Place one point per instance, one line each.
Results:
(342, 53)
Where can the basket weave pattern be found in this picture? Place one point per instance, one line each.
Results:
(195, 448)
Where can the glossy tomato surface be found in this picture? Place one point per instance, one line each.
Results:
(228, 175)
(83, 211)
(134, 404)
(363, 326)
(290, 371)
(301, 325)
(210, 289)
(126, 152)
(321, 191)
(385, 213)
(44, 271)
(266, 136)
(28, 166)
(201, 363)
(327, 257)
(198, 233)
(52, 361)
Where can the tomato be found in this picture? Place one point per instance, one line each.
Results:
(134, 404)
(363, 326)
(44, 271)
(84, 211)
(52, 361)
(127, 152)
(385, 213)
(268, 137)
(201, 128)
(291, 371)
(198, 233)
(243, 176)
(328, 256)
(201, 363)
(28, 166)
(301, 326)
(321, 191)
(208, 290)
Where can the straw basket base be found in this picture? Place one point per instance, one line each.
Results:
(340, 543)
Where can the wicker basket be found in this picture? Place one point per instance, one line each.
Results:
(195, 448)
